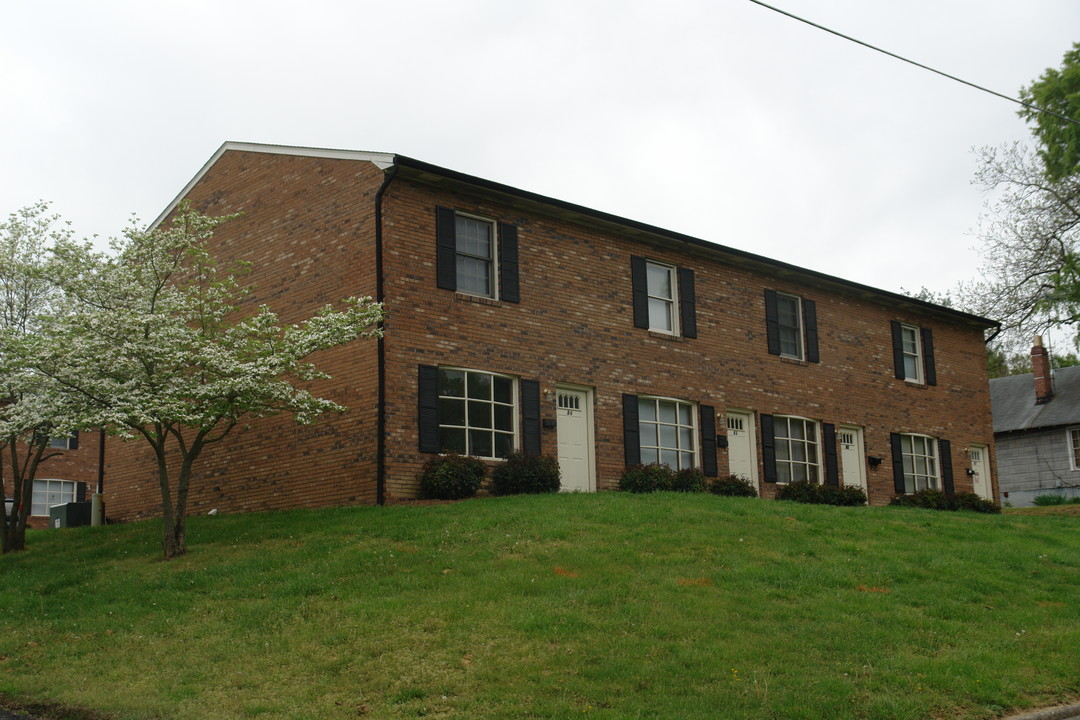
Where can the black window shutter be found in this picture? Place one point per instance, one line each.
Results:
(80, 491)
(509, 289)
(446, 248)
(898, 351)
(772, 323)
(897, 463)
(631, 432)
(945, 450)
(809, 314)
(928, 356)
(530, 417)
(768, 448)
(640, 285)
(708, 440)
(73, 441)
(832, 467)
(427, 384)
(687, 303)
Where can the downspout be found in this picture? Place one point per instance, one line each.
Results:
(380, 418)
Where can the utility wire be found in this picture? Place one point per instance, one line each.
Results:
(919, 65)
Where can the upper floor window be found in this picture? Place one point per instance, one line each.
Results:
(791, 326)
(920, 463)
(477, 256)
(796, 449)
(65, 442)
(666, 431)
(664, 297)
(913, 354)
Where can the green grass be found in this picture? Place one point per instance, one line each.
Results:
(594, 606)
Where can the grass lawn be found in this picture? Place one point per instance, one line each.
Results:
(588, 606)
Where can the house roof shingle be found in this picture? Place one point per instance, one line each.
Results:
(1012, 400)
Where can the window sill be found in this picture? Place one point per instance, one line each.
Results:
(793, 361)
(666, 336)
(916, 384)
(476, 299)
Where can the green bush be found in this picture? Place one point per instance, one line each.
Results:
(802, 491)
(647, 478)
(452, 477)
(937, 500)
(732, 486)
(1043, 500)
(688, 480)
(526, 474)
(805, 491)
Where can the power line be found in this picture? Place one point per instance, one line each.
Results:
(918, 65)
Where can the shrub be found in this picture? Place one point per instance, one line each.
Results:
(526, 474)
(971, 501)
(802, 491)
(805, 491)
(688, 480)
(452, 477)
(937, 500)
(1043, 500)
(732, 486)
(647, 478)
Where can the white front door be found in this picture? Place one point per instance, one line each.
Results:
(852, 464)
(980, 478)
(573, 408)
(742, 445)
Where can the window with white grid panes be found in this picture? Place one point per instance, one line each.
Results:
(789, 321)
(47, 493)
(912, 348)
(796, 448)
(920, 459)
(661, 284)
(475, 239)
(667, 432)
(477, 413)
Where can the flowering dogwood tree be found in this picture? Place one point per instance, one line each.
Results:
(31, 407)
(154, 343)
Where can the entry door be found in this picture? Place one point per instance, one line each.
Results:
(852, 463)
(981, 478)
(742, 445)
(573, 408)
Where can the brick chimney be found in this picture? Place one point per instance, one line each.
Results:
(1040, 366)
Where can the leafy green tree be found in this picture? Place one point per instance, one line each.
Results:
(154, 342)
(31, 407)
(1057, 90)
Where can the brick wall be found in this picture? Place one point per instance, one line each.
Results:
(574, 325)
(78, 465)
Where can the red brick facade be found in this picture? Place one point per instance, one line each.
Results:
(77, 463)
(310, 228)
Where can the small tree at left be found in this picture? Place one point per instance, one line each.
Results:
(32, 408)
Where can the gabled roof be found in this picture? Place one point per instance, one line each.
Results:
(1012, 401)
(452, 179)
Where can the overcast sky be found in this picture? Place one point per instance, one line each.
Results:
(723, 120)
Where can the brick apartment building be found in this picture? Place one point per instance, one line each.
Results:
(68, 473)
(519, 321)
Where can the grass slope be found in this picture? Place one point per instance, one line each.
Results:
(593, 606)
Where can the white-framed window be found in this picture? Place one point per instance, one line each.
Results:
(661, 287)
(477, 412)
(1074, 447)
(63, 443)
(47, 493)
(921, 468)
(790, 325)
(475, 255)
(911, 345)
(796, 446)
(667, 432)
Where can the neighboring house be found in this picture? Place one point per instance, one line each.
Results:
(517, 321)
(1037, 431)
(68, 474)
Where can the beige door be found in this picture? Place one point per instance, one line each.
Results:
(573, 410)
(981, 478)
(742, 445)
(852, 464)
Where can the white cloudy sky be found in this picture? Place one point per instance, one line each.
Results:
(720, 119)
